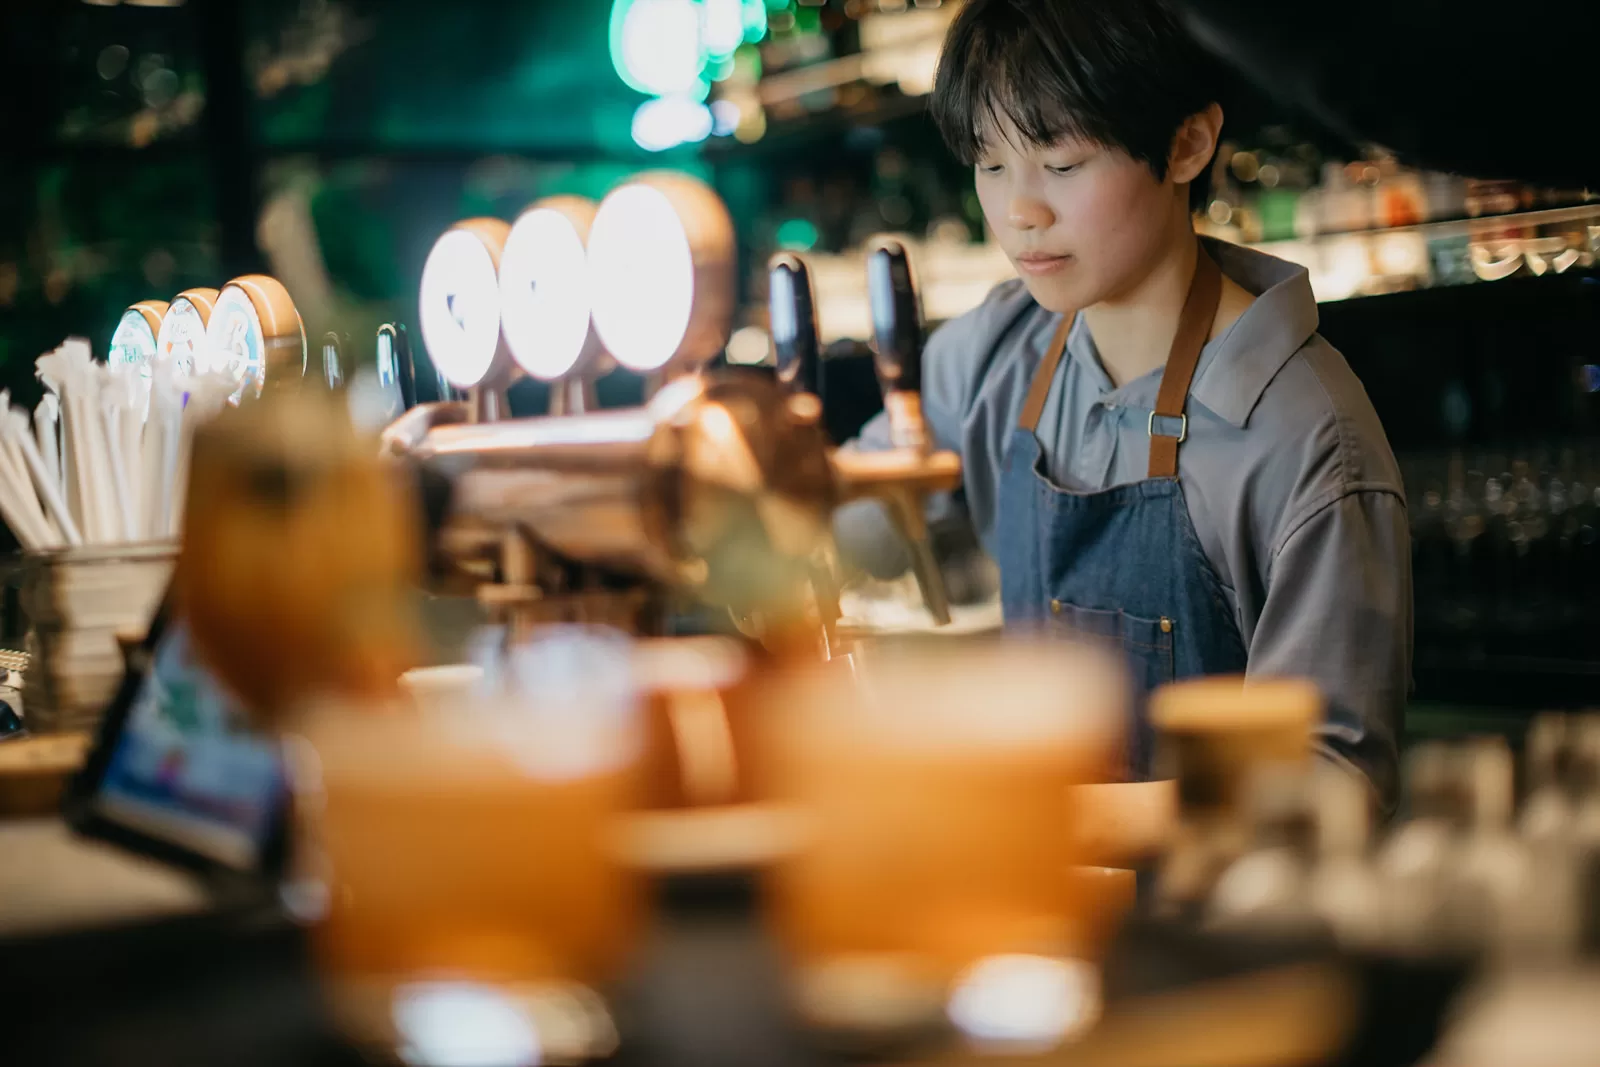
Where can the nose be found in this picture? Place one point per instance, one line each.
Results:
(1026, 212)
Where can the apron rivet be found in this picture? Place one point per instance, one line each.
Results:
(1055, 607)
(1166, 625)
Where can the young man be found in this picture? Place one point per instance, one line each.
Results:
(1158, 447)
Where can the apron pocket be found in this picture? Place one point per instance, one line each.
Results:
(1146, 642)
(1146, 646)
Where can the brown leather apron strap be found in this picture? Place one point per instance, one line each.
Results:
(1194, 327)
(1043, 375)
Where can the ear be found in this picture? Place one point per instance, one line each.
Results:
(1194, 144)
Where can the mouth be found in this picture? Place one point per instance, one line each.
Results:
(1039, 263)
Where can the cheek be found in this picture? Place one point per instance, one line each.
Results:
(1104, 207)
(1116, 217)
(992, 199)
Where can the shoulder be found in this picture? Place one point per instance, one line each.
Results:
(1006, 306)
(1232, 303)
(963, 351)
(1316, 427)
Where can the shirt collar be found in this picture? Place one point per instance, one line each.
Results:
(1236, 368)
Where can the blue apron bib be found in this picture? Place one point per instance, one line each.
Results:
(1123, 564)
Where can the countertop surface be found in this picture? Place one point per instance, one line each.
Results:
(707, 990)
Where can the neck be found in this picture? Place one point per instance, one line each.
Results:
(1133, 329)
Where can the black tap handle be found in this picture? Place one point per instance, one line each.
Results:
(792, 314)
(394, 359)
(333, 360)
(896, 317)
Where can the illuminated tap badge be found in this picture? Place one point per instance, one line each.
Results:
(181, 341)
(544, 288)
(133, 344)
(661, 272)
(238, 348)
(460, 302)
(254, 326)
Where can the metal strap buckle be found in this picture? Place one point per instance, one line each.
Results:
(1183, 430)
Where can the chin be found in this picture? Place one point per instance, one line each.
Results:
(1054, 294)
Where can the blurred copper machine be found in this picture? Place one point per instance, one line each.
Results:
(721, 486)
(718, 492)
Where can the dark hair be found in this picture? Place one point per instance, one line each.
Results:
(1117, 73)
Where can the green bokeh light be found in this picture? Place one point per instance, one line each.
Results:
(797, 235)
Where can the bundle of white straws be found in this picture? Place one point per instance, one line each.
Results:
(105, 459)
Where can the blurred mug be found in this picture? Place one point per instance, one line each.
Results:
(934, 795)
(473, 850)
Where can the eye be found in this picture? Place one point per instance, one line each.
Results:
(990, 168)
(1068, 169)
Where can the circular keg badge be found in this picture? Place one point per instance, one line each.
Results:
(460, 307)
(544, 293)
(133, 344)
(237, 344)
(642, 276)
(182, 339)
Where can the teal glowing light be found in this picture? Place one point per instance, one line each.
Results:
(755, 20)
(669, 122)
(797, 235)
(657, 46)
(721, 27)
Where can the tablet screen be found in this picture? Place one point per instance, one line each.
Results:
(186, 768)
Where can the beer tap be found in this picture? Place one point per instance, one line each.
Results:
(797, 352)
(722, 486)
(333, 360)
(897, 355)
(545, 301)
(134, 342)
(792, 314)
(395, 353)
(256, 335)
(460, 315)
(393, 350)
(181, 337)
(661, 276)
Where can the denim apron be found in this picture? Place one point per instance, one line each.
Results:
(1123, 564)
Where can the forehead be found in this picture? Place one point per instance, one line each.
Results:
(1006, 111)
(996, 131)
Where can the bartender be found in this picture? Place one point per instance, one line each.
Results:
(1158, 447)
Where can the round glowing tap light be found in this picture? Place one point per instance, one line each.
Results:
(460, 301)
(661, 272)
(181, 340)
(133, 344)
(255, 332)
(544, 288)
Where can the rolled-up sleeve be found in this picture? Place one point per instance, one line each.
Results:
(1338, 611)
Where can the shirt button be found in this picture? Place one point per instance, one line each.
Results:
(1055, 607)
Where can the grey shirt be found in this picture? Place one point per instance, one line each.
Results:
(1286, 473)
